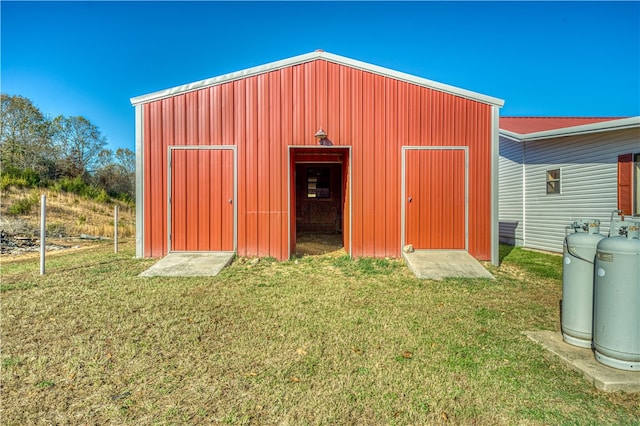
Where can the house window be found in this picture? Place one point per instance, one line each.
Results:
(636, 184)
(318, 182)
(553, 181)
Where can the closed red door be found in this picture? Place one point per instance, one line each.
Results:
(435, 198)
(201, 202)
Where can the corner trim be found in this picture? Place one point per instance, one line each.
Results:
(495, 186)
(139, 111)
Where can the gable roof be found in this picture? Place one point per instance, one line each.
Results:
(535, 128)
(524, 125)
(309, 57)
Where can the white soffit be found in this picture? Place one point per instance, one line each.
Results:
(603, 126)
(308, 57)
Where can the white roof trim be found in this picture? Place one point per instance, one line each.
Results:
(308, 57)
(603, 126)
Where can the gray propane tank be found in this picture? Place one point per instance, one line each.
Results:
(616, 306)
(577, 282)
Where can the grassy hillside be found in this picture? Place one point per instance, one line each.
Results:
(68, 215)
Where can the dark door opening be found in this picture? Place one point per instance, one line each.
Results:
(319, 198)
(319, 208)
(320, 194)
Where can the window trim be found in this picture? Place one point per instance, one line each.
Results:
(549, 181)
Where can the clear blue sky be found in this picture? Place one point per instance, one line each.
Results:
(542, 58)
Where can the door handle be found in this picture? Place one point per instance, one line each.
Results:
(230, 201)
(410, 199)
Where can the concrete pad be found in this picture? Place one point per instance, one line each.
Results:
(439, 264)
(582, 360)
(194, 264)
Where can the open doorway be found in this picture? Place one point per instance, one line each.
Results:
(319, 190)
(319, 204)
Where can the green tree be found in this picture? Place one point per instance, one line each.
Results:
(25, 138)
(80, 143)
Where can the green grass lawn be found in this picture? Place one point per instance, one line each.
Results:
(319, 340)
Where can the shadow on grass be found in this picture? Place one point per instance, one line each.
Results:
(505, 250)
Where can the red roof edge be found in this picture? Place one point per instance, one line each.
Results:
(525, 125)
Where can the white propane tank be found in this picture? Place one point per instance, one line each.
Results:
(616, 310)
(577, 282)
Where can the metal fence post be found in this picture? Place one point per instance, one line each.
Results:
(115, 229)
(43, 231)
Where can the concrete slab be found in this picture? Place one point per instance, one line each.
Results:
(439, 264)
(583, 361)
(195, 264)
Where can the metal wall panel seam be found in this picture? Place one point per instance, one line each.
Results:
(139, 111)
(157, 177)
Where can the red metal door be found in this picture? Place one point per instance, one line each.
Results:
(201, 202)
(435, 199)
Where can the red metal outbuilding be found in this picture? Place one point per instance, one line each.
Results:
(237, 162)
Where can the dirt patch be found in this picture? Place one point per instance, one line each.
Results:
(314, 244)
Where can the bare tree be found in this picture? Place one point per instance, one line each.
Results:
(80, 143)
(116, 173)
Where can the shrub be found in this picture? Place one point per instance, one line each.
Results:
(78, 186)
(24, 205)
(31, 177)
(102, 197)
(12, 176)
(8, 180)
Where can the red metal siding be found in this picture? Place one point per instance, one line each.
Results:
(264, 114)
(201, 187)
(435, 186)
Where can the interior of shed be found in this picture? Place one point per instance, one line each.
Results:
(320, 199)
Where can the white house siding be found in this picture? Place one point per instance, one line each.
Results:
(588, 168)
(510, 216)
